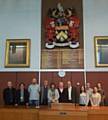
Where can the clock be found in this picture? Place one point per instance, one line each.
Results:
(61, 73)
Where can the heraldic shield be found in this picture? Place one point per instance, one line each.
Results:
(62, 28)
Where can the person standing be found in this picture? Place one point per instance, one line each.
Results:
(101, 91)
(44, 93)
(89, 92)
(61, 91)
(53, 95)
(34, 91)
(95, 97)
(71, 93)
(84, 98)
(9, 94)
(22, 95)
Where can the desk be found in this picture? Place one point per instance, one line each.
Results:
(62, 115)
(98, 113)
(18, 114)
(45, 113)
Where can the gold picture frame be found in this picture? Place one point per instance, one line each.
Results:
(101, 51)
(17, 53)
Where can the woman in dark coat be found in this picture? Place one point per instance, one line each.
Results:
(22, 95)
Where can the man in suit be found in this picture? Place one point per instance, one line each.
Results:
(71, 93)
(22, 95)
(61, 91)
(44, 93)
(9, 94)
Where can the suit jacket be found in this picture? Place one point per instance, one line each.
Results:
(74, 95)
(62, 96)
(42, 94)
(26, 97)
(9, 96)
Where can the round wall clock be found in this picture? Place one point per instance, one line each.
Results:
(61, 73)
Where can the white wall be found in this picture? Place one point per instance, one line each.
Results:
(22, 19)
(95, 24)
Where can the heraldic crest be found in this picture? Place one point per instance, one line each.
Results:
(62, 28)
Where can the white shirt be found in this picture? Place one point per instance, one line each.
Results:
(69, 93)
(61, 90)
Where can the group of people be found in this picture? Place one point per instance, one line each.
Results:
(46, 94)
(92, 97)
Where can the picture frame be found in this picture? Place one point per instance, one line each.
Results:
(17, 53)
(101, 51)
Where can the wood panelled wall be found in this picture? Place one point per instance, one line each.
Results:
(53, 77)
(16, 78)
(26, 77)
(102, 77)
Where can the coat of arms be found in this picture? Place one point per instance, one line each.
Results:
(62, 28)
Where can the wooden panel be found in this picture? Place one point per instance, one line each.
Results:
(67, 77)
(51, 59)
(78, 77)
(62, 115)
(53, 77)
(72, 58)
(77, 113)
(95, 77)
(56, 78)
(4, 78)
(62, 58)
(46, 76)
(16, 78)
(98, 114)
(62, 106)
(50, 76)
(18, 114)
(98, 117)
(26, 77)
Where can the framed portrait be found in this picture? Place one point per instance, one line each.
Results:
(17, 53)
(101, 51)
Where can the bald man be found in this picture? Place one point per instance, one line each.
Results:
(61, 90)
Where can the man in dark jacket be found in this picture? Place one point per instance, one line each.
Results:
(44, 93)
(61, 90)
(9, 94)
(71, 93)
